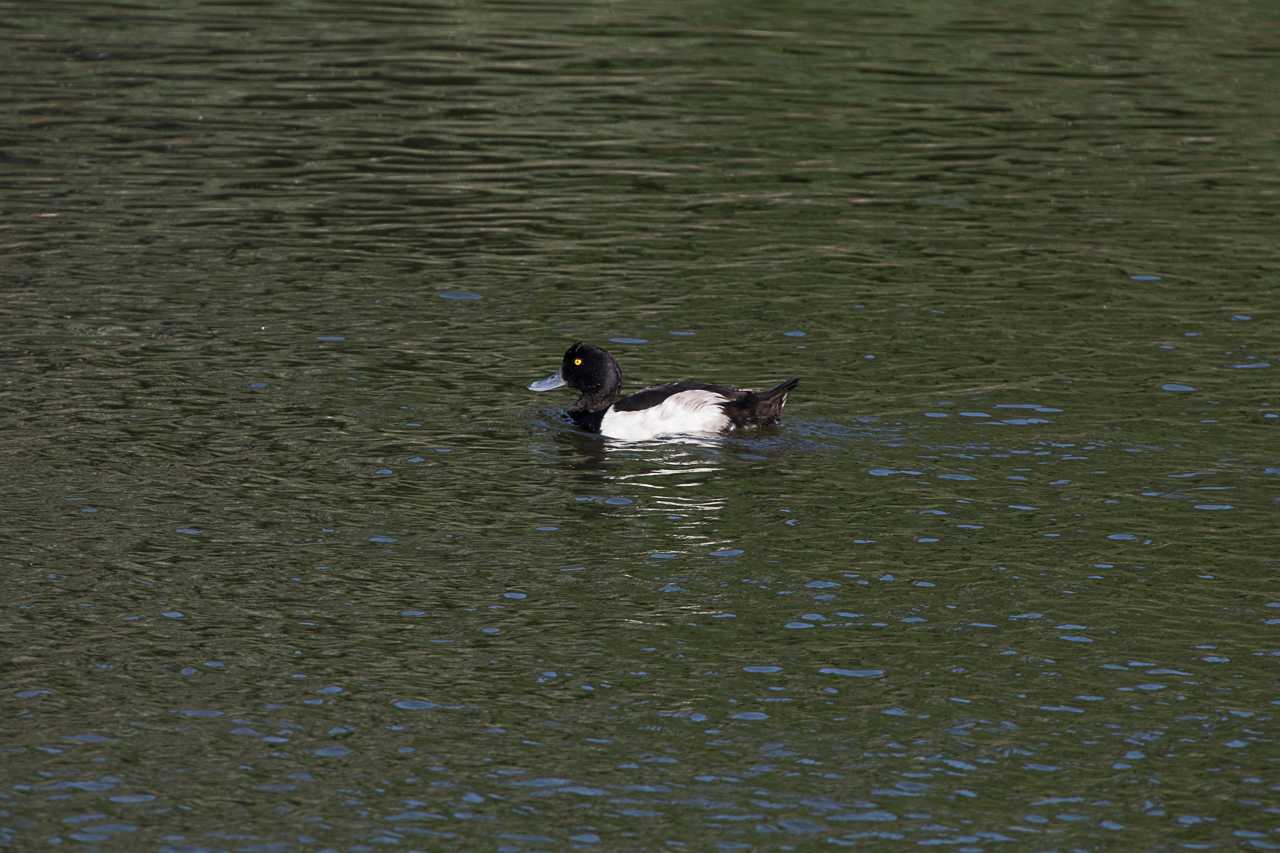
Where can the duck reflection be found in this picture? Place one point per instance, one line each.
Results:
(673, 486)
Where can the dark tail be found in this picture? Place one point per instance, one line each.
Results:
(756, 408)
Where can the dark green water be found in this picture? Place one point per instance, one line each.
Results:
(294, 561)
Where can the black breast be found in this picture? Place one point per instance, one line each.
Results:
(587, 420)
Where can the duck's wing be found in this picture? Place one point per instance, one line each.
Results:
(677, 408)
(657, 395)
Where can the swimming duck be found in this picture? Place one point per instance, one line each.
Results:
(672, 409)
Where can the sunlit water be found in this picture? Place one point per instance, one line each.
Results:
(295, 561)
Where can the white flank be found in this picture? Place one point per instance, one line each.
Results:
(687, 411)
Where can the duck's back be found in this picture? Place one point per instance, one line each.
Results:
(690, 407)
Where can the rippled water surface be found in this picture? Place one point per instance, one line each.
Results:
(294, 561)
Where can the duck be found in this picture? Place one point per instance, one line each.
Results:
(676, 408)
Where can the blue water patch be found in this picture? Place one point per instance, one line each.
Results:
(749, 715)
(416, 705)
(190, 531)
(89, 737)
(1214, 507)
(681, 333)
(728, 552)
(459, 295)
(794, 333)
(1178, 388)
(331, 339)
(600, 499)
(876, 816)
(101, 832)
(1251, 365)
(852, 673)
(1145, 277)
(1035, 407)
(629, 341)
(383, 539)
(1241, 318)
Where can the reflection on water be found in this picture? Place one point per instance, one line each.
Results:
(294, 561)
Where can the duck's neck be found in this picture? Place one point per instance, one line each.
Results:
(596, 402)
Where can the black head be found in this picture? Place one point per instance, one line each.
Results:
(589, 370)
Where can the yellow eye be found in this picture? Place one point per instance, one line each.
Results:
(577, 362)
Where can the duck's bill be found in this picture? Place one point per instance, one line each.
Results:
(551, 383)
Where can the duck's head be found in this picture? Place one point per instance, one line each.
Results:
(587, 369)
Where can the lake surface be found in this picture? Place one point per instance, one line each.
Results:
(294, 561)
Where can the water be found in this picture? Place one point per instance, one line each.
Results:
(295, 561)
